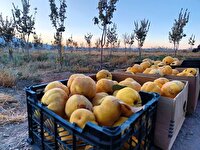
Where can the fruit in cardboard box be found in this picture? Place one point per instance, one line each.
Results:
(56, 84)
(168, 60)
(145, 65)
(129, 96)
(108, 112)
(161, 81)
(166, 70)
(175, 63)
(81, 117)
(156, 71)
(151, 87)
(105, 85)
(129, 79)
(146, 71)
(55, 100)
(175, 71)
(179, 83)
(185, 74)
(128, 69)
(98, 98)
(156, 62)
(154, 67)
(193, 71)
(136, 68)
(83, 86)
(103, 74)
(161, 64)
(76, 102)
(149, 60)
(171, 89)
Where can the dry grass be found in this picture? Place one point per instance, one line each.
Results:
(7, 78)
(15, 118)
(6, 99)
(9, 111)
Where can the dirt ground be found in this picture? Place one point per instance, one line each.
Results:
(14, 132)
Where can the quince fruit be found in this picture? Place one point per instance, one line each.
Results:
(83, 86)
(129, 96)
(105, 85)
(161, 81)
(56, 84)
(103, 74)
(81, 117)
(76, 102)
(72, 77)
(170, 89)
(190, 70)
(55, 100)
(168, 60)
(98, 98)
(120, 121)
(108, 112)
(151, 87)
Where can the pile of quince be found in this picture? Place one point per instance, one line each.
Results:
(84, 99)
(161, 68)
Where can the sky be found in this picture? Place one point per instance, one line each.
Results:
(161, 14)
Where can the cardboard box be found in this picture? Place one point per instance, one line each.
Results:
(170, 112)
(193, 87)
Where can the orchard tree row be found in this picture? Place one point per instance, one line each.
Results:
(18, 29)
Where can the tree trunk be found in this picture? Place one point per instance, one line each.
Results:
(27, 47)
(60, 56)
(111, 51)
(102, 45)
(176, 49)
(10, 51)
(89, 50)
(140, 53)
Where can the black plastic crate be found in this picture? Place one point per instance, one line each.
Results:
(194, 63)
(47, 130)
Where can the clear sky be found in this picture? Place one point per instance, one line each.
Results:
(80, 13)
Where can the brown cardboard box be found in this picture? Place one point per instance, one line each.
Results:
(194, 86)
(169, 119)
(170, 112)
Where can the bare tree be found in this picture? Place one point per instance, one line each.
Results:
(69, 43)
(58, 16)
(7, 32)
(131, 40)
(112, 37)
(88, 38)
(106, 10)
(176, 33)
(141, 31)
(37, 41)
(24, 21)
(191, 41)
(75, 44)
(125, 38)
(97, 43)
(118, 43)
